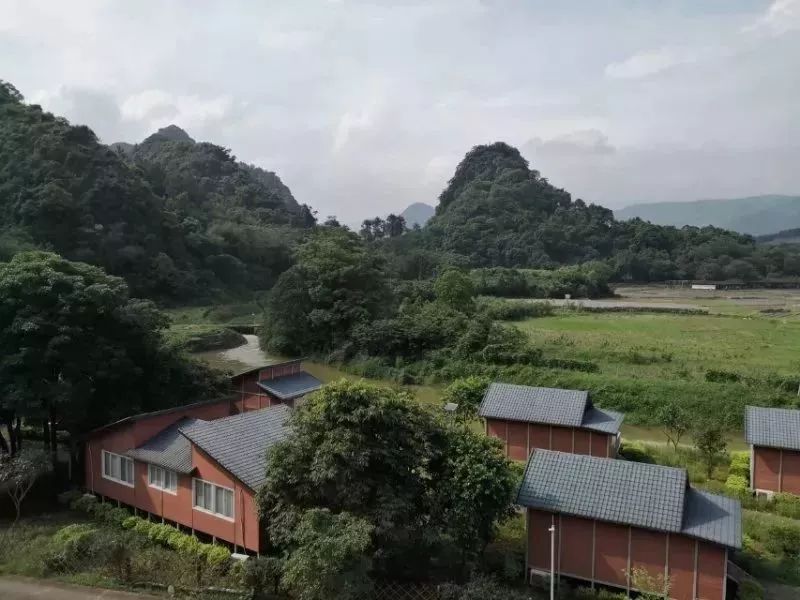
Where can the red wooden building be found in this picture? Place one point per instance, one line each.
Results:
(199, 466)
(774, 438)
(282, 383)
(613, 518)
(526, 418)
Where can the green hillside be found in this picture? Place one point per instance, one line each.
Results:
(755, 215)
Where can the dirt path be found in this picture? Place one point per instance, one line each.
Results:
(23, 588)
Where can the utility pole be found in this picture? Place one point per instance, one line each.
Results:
(552, 531)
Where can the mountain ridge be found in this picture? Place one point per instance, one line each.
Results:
(754, 215)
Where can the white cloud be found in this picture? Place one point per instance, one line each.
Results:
(582, 142)
(781, 17)
(650, 62)
(159, 107)
(291, 40)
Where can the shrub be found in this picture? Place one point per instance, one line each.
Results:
(740, 464)
(750, 590)
(718, 376)
(783, 540)
(635, 451)
(736, 485)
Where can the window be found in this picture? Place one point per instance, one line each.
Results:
(118, 468)
(213, 498)
(163, 479)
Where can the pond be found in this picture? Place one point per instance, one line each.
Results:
(251, 355)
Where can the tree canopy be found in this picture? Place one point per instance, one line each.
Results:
(375, 454)
(79, 352)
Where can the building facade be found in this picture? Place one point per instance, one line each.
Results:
(618, 523)
(199, 466)
(525, 418)
(774, 438)
(283, 383)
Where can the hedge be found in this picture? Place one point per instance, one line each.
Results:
(164, 534)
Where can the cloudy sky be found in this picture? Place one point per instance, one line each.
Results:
(364, 107)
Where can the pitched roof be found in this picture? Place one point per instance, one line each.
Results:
(534, 404)
(599, 419)
(155, 413)
(553, 406)
(630, 493)
(772, 427)
(291, 386)
(239, 443)
(168, 449)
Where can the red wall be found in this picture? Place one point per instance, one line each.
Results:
(776, 470)
(250, 396)
(520, 439)
(577, 540)
(243, 531)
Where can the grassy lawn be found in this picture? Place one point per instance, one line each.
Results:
(667, 345)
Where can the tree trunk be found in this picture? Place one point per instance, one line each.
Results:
(18, 434)
(45, 435)
(3, 444)
(53, 440)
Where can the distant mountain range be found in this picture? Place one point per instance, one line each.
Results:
(417, 213)
(756, 215)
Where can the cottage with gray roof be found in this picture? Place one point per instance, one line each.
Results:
(525, 418)
(199, 466)
(613, 516)
(280, 383)
(774, 438)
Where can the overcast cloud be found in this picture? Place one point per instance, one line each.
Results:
(365, 107)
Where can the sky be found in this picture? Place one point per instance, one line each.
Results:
(365, 107)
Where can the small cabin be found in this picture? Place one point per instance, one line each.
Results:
(606, 520)
(774, 438)
(525, 418)
(281, 383)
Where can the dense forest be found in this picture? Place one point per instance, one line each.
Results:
(179, 220)
(184, 221)
(498, 212)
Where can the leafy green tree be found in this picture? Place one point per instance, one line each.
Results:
(335, 285)
(455, 289)
(375, 454)
(80, 352)
(468, 393)
(478, 490)
(675, 422)
(18, 474)
(329, 557)
(711, 443)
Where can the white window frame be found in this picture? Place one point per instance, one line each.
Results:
(107, 456)
(162, 478)
(213, 511)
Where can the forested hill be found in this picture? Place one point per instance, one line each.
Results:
(497, 211)
(178, 219)
(756, 215)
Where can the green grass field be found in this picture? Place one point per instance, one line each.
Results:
(667, 345)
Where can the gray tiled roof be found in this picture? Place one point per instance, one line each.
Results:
(598, 419)
(568, 408)
(713, 517)
(239, 443)
(772, 427)
(168, 449)
(618, 491)
(291, 386)
(534, 404)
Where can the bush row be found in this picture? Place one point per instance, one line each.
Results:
(166, 535)
(515, 310)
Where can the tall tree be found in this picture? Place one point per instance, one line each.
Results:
(335, 285)
(79, 351)
(377, 455)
